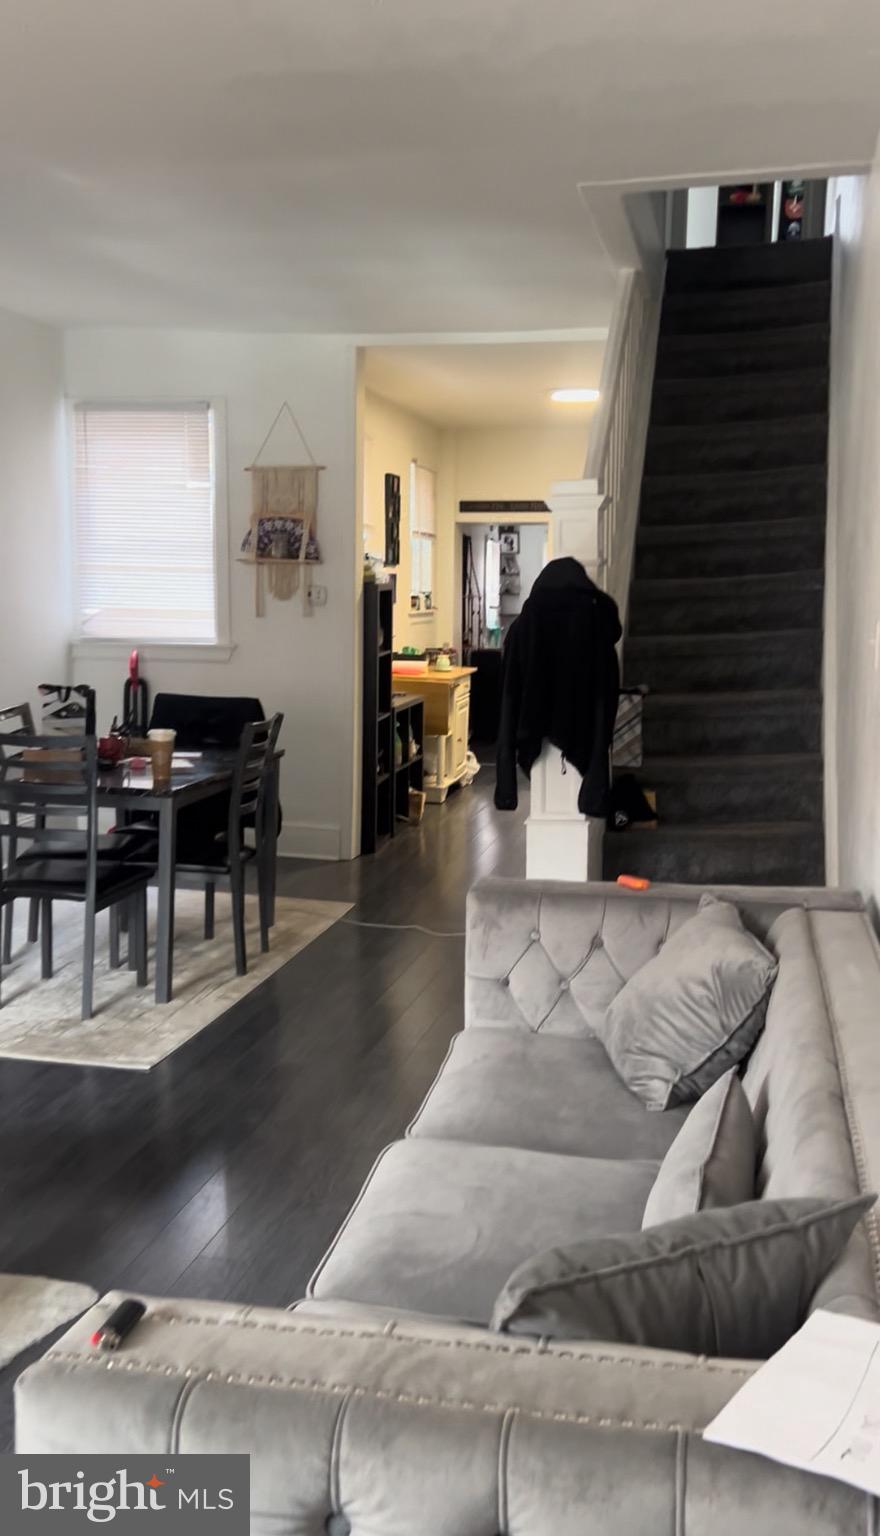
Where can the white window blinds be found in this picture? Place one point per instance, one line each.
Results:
(144, 522)
(422, 530)
(422, 510)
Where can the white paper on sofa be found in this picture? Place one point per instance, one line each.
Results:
(815, 1404)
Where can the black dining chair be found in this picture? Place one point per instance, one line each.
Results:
(16, 720)
(117, 843)
(226, 858)
(55, 778)
(204, 723)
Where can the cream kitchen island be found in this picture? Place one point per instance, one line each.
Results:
(447, 696)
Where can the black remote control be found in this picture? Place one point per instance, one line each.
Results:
(118, 1325)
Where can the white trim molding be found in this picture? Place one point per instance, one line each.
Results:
(148, 650)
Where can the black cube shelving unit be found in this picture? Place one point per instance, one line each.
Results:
(408, 723)
(377, 758)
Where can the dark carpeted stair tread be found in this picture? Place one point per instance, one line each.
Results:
(730, 731)
(735, 788)
(714, 534)
(736, 549)
(731, 641)
(761, 659)
(745, 764)
(756, 584)
(750, 494)
(727, 603)
(729, 698)
(726, 309)
(731, 447)
(754, 397)
(774, 350)
(750, 853)
(787, 262)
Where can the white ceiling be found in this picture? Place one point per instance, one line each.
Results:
(486, 385)
(386, 165)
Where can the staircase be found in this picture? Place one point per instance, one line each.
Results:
(725, 612)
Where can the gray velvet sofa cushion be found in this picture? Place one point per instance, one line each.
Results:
(812, 1138)
(543, 1092)
(439, 1225)
(736, 1282)
(692, 1011)
(550, 957)
(712, 1159)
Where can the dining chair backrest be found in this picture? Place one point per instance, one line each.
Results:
(250, 777)
(204, 721)
(67, 708)
(16, 719)
(47, 777)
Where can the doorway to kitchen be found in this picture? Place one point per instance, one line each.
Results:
(499, 562)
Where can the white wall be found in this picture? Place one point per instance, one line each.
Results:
(702, 216)
(34, 587)
(852, 673)
(532, 556)
(302, 665)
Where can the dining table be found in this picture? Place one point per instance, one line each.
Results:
(129, 788)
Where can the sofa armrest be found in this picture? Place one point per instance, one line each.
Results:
(396, 1427)
(551, 956)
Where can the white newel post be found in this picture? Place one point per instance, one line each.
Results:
(561, 844)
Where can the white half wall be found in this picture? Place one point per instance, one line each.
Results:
(852, 670)
(305, 666)
(35, 607)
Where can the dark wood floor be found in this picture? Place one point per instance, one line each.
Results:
(225, 1171)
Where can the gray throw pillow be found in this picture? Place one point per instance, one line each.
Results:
(711, 1162)
(735, 1282)
(693, 1011)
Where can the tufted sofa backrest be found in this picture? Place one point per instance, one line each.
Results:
(551, 957)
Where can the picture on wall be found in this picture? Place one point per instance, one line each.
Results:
(509, 541)
(392, 520)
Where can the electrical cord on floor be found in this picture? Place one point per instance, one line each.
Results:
(433, 933)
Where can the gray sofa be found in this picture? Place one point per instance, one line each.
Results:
(382, 1405)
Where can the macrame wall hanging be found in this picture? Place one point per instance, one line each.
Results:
(282, 539)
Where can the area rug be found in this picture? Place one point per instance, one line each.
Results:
(31, 1307)
(39, 1020)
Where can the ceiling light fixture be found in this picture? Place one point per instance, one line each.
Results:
(574, 396)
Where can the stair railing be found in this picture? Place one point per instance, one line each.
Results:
(616, 452)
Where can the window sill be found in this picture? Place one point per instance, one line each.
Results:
(422, 614)
(149, 650)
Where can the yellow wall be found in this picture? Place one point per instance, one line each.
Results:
(471, 464)
(393, 438)
(517, 463)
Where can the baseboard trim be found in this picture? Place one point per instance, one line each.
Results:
(309, 840)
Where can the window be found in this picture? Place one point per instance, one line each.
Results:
(144, 515)
(422, 532)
